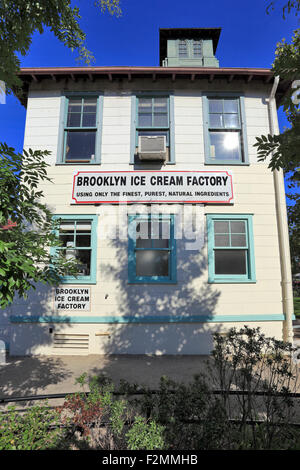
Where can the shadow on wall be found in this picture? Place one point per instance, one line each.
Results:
(190, 297)
(29, 375)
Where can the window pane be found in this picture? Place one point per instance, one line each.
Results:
(145, 105)
(160, 105)
(80, 145)
(66, 233)
(222, 240)
(160, 120)
(90, 105)
(83, 240)
(89, 120)
(67, 225)
(67, 239)
(238, 240)
(216, 120)
(231, 106)
(221, 226)
(84, 262)
(152, 263)
(230, 262)
(237, 226)
(143, 234)
(225, 145)
(73, 120)
(231, 121)
(83, 226)
(145, 120)
(74, 105)
(215, 106)
(160, 234)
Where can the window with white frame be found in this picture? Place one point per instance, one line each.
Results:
(230, 248)
(151, 249)
(225, 130)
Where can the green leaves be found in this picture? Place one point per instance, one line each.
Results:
(20, 19)
(283, 151)
(25, 248)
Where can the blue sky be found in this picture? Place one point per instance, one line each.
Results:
(248, 39)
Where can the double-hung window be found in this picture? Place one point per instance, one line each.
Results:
(154, 116)
(230, 248)
(81, 129)
(225, 130)
(78, 240)
(151, 249)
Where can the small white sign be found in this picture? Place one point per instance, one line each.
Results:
(111, 187)
(72, 298)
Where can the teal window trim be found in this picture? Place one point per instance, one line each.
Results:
(250, 277)
(63, 126)
(135, 128)
(244, 158)
(92, 278)
(132, 277)
(146, 319)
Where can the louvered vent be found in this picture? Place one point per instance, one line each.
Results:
(71, 341)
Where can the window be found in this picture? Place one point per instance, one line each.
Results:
(154, 116)
(77, 235)
(81, 129)
(197, 48)
(225, 131)
(152, 249)
(182, 48)
(230, 248)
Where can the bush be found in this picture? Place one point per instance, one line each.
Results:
(244, 360)
(145, 435)
(98, 420)
(263, 369)
(180, 416)
(30, 430)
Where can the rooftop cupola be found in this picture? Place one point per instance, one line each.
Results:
(188, 47)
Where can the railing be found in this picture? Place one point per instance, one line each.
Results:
(4, 400)
(142, 392)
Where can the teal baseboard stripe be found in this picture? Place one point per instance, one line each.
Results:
(146, 319)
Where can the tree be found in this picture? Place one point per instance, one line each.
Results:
(26, 225)
(25, 241)
(19, 19)
(284, 149)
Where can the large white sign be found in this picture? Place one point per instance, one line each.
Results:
(72, 298)
(97, 187)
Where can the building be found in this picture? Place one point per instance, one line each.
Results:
(166, 151)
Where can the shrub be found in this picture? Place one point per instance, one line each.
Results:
(107, 423)
(34, 429)
(263, 369)
(145, 435)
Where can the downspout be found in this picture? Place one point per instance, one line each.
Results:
(282, 224)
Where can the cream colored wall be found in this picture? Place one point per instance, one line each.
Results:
(112, 296)
(158, 339)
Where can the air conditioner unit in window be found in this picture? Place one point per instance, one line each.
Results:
(152, 147)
